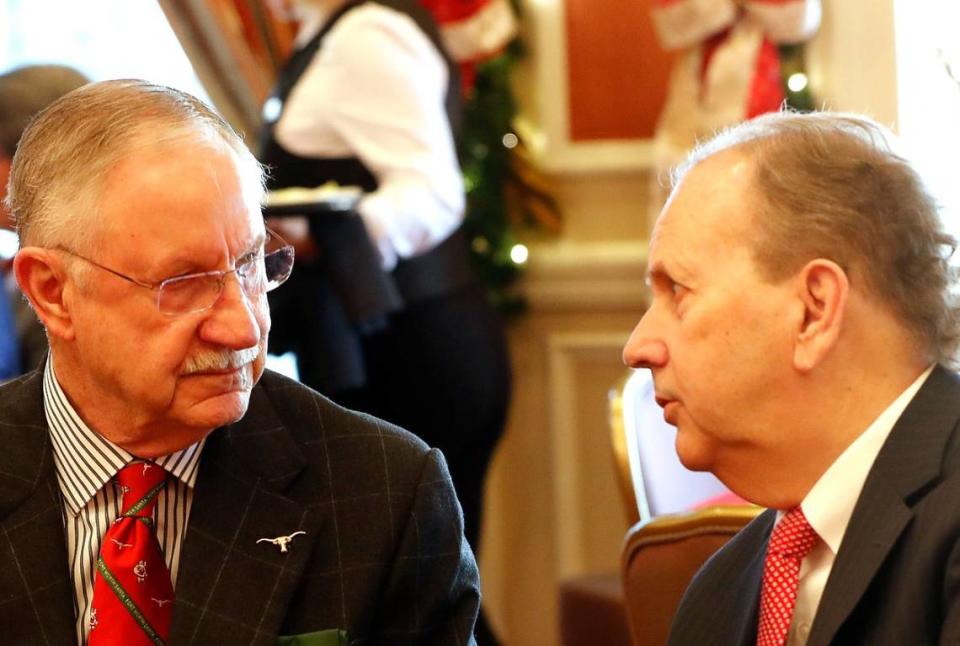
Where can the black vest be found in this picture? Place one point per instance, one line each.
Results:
(362, 294)
(289, 169)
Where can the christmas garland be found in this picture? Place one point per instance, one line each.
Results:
(505, 192)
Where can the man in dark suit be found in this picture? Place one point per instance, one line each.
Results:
(280, 517)
(799, 335)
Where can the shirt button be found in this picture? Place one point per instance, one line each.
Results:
(804, 630)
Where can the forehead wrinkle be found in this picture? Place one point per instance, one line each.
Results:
(183, 259)
(673, 268)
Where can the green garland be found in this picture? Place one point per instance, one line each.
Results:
(792, 62)
(487, 171)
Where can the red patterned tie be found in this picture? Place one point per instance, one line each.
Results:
(132, 593)
(791, 541)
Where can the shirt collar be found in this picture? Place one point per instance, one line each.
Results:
(85, 460)
(829, 504)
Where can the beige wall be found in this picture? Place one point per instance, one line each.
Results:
(553, 506)
(852, 60)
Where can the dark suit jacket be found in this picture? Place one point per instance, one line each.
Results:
(383, 556)
(896, 577)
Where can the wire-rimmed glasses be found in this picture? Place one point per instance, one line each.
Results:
(258, 272)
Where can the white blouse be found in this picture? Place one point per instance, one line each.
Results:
(376, 90)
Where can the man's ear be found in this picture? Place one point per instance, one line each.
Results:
(42, 278)
(823, 289)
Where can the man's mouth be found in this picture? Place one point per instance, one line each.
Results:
(669, 407)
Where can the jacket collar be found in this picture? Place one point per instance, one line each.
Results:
(40, 608)
(909, 461)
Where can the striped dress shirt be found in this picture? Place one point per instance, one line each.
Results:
(86, 464)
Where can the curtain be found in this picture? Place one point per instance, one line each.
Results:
(236, 48)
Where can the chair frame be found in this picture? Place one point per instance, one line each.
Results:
(718, 522)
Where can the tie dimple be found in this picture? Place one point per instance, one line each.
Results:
(140, 482)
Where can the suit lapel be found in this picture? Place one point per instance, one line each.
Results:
(878, 520)
(746, 613)
(750, 608)
(234, 587)
(908, 461)
(38, 606)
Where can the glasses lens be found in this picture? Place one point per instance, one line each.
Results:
(198, 292)
(277, 266)
(252, 276)
(188, 294)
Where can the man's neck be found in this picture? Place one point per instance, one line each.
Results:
(817, 429)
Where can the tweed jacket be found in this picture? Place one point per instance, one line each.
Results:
(382, 560)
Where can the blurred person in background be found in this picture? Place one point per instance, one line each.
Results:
(24, 91)
(383, 311)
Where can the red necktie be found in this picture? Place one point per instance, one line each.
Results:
(791, 541)
(132, 593)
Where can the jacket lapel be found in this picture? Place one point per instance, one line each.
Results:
(749, 608)
(746, 612)
(38, 604)
(908, 461)
(233, 586)
(878, 520)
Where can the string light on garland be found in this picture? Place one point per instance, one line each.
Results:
(519, 254)
(795, 80)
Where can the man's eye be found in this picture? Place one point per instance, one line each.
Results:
(678, 290)
(246, 259)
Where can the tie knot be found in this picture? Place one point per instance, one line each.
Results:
(140, 482)
(793, 537)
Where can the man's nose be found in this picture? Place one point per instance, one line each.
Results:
(644, 348)
(232, 322)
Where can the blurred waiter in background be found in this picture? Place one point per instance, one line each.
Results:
(384, 314)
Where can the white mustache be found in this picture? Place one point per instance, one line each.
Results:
(220, 360)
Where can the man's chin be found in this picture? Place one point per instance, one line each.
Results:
(693, 450)
(209, 401)
(219, 410)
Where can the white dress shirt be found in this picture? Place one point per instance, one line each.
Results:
(86, 463)
(376, 90)
(829, 505)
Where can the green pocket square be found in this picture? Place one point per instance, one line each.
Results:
(332, 637)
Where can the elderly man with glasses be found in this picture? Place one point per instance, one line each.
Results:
(156, 484)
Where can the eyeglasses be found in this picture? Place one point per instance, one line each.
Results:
(258, 273)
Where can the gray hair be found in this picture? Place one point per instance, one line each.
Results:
(832, 186)
(26, 91)
(67, 150)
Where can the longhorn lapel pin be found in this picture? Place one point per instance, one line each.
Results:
(281, 541)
